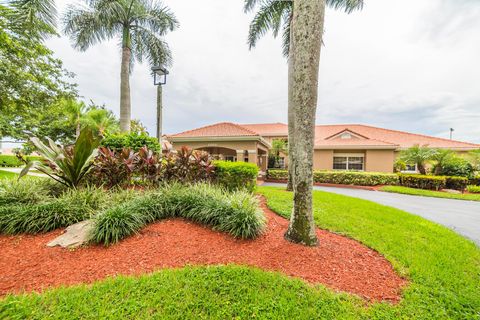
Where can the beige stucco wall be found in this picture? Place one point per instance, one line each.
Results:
(379, 160)
(323, 160)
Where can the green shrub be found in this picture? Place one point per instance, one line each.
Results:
(475, 181)
(273, 174)
(71, 207)
(343, 177)
(456, 166)
(236, 213)
(133, 141)
(456, 183)
(473, 189)
(236, 175)
(422, 181)
(7, 160)
(355, 178)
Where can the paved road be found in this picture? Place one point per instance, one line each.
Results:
(458, 215)
(18, 170)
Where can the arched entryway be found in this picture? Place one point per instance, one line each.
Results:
(220, 153)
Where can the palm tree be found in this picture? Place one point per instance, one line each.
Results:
(140, 25)
(302, 25)
(100, 121)
(279, 146)
(76, 111)
(36, 17)
(418, 155)
(440, 157)
(277, 15)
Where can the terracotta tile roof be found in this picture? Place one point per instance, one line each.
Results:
(268, 129)
(325, 135)
(222, 129)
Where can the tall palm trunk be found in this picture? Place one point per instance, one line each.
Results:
(159, 115)
(125, 107)
(77, 129)
(291, 118)
(308, 17)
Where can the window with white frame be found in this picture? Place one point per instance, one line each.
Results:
(410, 168)
(349, 162)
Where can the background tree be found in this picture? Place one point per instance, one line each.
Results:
(137, 127)
(100, 121)
(418, 155)
(440, 157)
(140, 25)
(276, 16)
(279, 146)
(474, 156)
(31, 79)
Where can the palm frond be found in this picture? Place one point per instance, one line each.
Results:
(268, 17)
(347, 5)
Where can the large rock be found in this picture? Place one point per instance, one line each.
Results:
(74, 236)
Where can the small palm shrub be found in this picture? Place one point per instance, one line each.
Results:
(237, 213)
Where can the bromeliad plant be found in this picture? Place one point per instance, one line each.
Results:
(67, 165)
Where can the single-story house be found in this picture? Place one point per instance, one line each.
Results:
(337, 147)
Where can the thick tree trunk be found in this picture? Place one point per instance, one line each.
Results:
(159, 115)
(308, 17)
(125, 107)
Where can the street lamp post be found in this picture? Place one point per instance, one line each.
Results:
(159, 79)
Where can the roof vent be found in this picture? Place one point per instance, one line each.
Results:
(345, 135)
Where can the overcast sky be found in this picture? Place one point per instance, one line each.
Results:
(408, 65)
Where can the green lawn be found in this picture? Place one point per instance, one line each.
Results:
(7, 174)
(443, 269)
(430, 193)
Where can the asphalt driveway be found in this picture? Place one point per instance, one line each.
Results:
(461, 216)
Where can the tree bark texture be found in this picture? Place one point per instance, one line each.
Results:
(308, 18)
(125, 104)
(291, 119)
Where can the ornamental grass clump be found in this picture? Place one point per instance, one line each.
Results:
(236, 212)
(24, 191)
(71, 207)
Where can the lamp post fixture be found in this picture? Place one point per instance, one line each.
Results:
(159, 79)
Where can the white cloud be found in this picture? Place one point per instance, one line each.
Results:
(406, 65)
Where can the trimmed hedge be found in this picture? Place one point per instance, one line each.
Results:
(235, 175)
(474, 181)
(133, 141)
(422, 181)
(275, 174)
(236, 212)
(457, 183)
(9, 160)
(343, 177)
(473, 189)
(355, 178)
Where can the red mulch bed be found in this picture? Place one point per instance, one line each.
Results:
(340, 263)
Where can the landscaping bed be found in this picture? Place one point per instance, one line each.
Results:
(338, 262)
